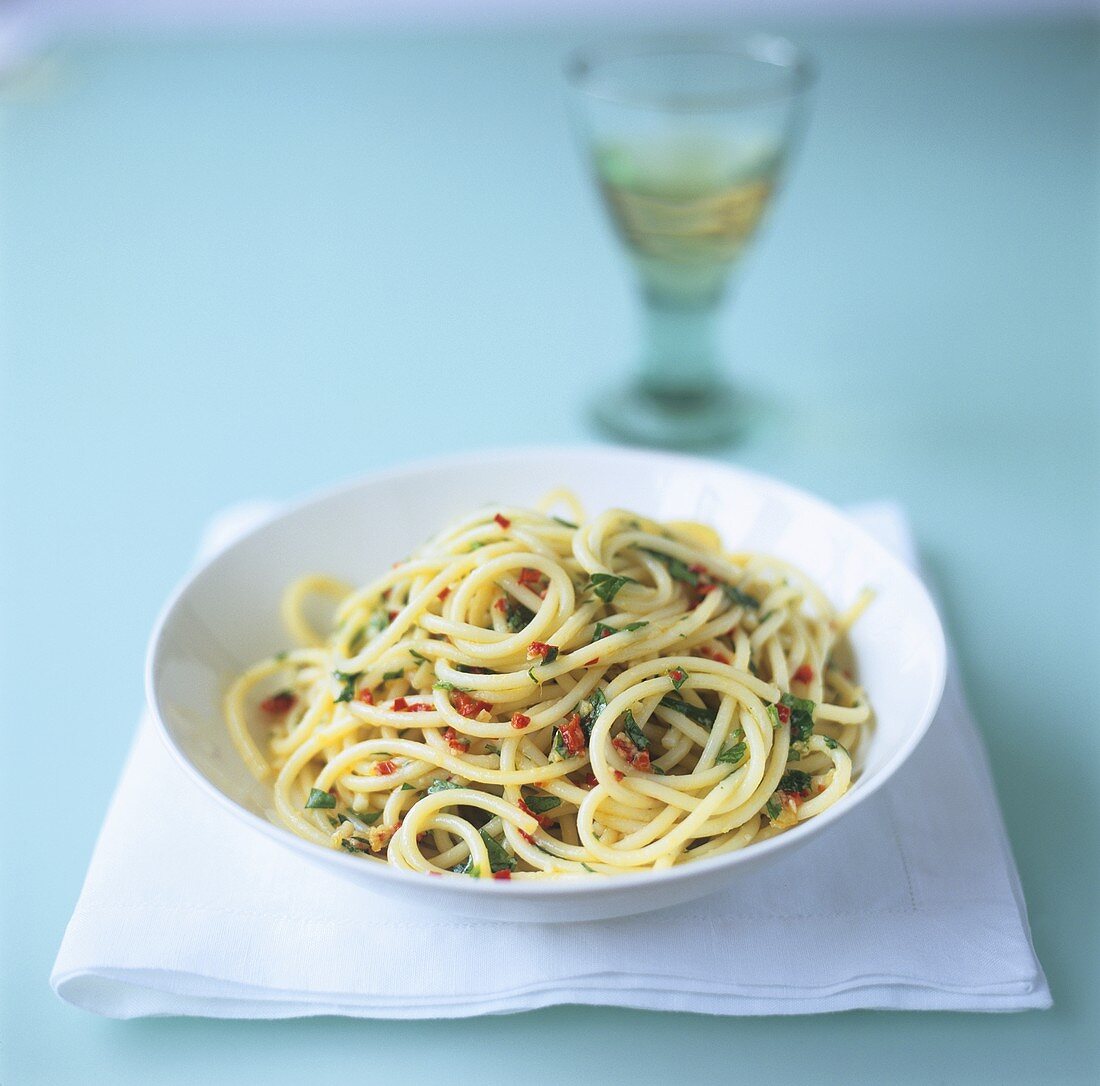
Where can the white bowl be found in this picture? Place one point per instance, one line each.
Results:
(226, 616)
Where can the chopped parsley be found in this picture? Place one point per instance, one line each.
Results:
(773, 808)
(595, 702)
(732, 755)
(516, 615)
(565, 523)
(794, 782)
(602, 630)
(349, 679)
(540, 803)
(735, 595)
(533, 676)
(500, 859)
(551, 654)
(417, 657)
(677, 570)
(443, 684)
(607, 586)
(441, 785)
(802, 717)
(700, 714)
(634, 733)
(367, 818)
(319, 799)
(390, 675)
(773, 713)
(281, 656)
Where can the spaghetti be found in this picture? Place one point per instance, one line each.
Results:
(529, 696)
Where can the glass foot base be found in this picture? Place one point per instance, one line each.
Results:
(677, 420)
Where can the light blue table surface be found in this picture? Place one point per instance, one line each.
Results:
(251, 265)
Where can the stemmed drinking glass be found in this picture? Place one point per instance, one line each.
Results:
(688, 140)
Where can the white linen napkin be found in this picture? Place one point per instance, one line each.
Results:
(911, 902)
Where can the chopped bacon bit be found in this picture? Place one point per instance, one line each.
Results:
(537, 648)
(502, 520)
(384, 769)
(459, 744)
(470, 707)
(784, 713)
(529, 576)
(572, 735)
(541, 819)
(503, 873)
(365, 696)
(280, 703)
(619, 774)
(444, 593)
(804, 674)
(520, 720)
(501, 605)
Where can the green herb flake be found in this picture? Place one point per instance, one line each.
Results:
(565, 523)
(773, 809)
(418, 657)
(587, 868)
(477, 544)
(607, 586)
(677, 570)
(389, 676)
(319, 799)
(557, 745)
(366, 818)
(794, 782)
(406, 787)
(500, 859)
(832, 744)
(517, 616)
(280, 656)
(802, 718)
(533, 676)
(540, 802)
(634, 733)
(732, 755)
(595, 702)
(773, 714)
(349, 679)
(701, 715)
(441, 785)
(735, 595)
(552, 653)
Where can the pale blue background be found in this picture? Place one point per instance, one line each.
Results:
(248, 265)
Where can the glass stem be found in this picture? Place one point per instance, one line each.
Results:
(680, 357)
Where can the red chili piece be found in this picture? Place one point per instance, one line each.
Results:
(629, 753)
(678, 675)
(784, 713)
(365, 696)
(572, 735)
(519, 720)
(504, 873)
(280, 703)
(529, 576)
(501, 605)
(444, 594)
(804, 674)
(536, 649)
(502, 520)
(384, 769)
(400, 705)
(541, 819)
(469, 707)
(458, 743)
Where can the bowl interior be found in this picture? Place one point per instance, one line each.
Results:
(226, 616)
